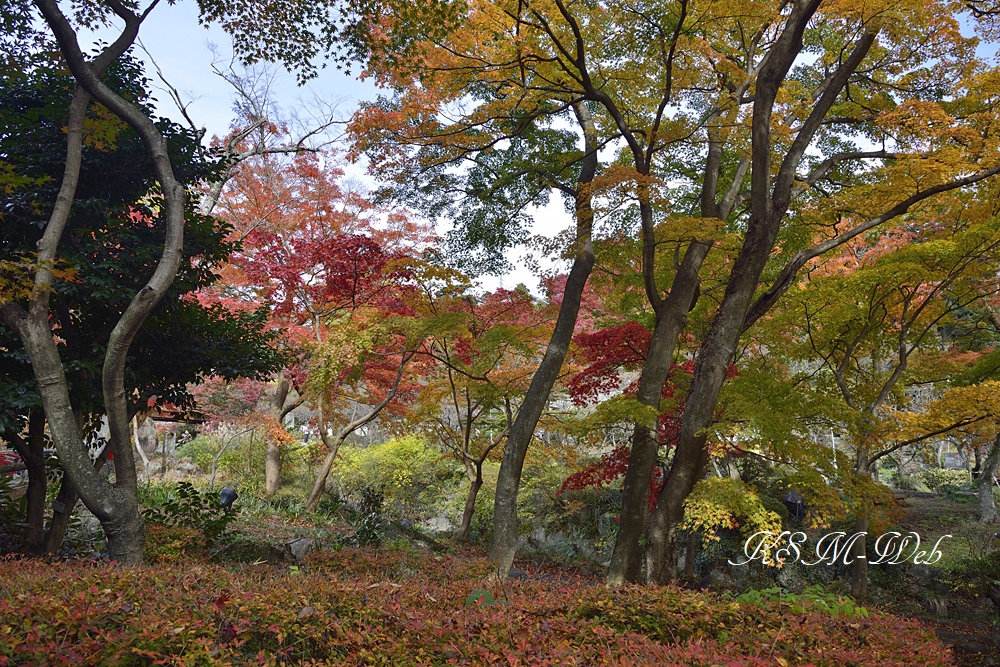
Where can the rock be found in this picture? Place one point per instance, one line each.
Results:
(538, 561)
(515, 573)
(300, 547)
(740, 573)
(921, 571)
(537, 537)
(717, 579)
(186, 468)
(937, 606)
(147, 436)
(438, 524)
(972, 647)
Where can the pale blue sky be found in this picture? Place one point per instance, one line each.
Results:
(181, 48)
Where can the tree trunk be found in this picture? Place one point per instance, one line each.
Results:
(767, 211)
(671, 317)
(324, 472)
(859, 568)
(272, 460)
(115, 505)
(509, 480)
(689, 556)
(470, 506)
(320, 486)
(32, 452)
(63, 508)
(987, 503)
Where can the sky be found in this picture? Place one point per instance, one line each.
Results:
(183, 50)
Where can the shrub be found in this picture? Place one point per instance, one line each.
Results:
(936, 478)
(186, 507)
(354, 607)
(408, 471)
(167, 544)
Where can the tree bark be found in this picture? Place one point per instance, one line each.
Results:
(859, 568)
(987, 503)
(470, 505)
(505, 532)
(671, 318)
(62, 510)
(32, 452)
(272, 460)
(719, 346)
(115, 505)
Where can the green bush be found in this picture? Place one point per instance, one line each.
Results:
(186, 507)
(409, 472)
(936, 478)
(912, 483)
(813, 598)
(201, 450)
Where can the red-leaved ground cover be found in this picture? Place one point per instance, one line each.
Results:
(355, 607)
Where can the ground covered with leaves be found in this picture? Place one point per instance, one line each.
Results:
(407, 607)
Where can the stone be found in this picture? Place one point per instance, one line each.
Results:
(300, 547)
(515, 573)
(537, 537)
(186, 468)
(717, 579)
(937, 606)
(538, 561)
(147, 436)
(438, 524)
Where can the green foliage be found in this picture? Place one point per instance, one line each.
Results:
(167, 544)
(186, 507)
(483, 598)
(936, 478)
(407, 470)
(718, 503)
(241, 465)
(369, 524)
(812, 599)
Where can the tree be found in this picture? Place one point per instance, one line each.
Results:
(315, 251)
(115, 504)
(180, 341)
(483, 349)
(872, 357)
(503, 153)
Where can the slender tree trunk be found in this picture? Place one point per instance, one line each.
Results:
(505, 532)
(62, 510)
(334, 446)
(272, 460)
(324, 472)
(470, 505)
(859, 568)
(671, 318)
(987, 503)
(32, 452)
(115, 505)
